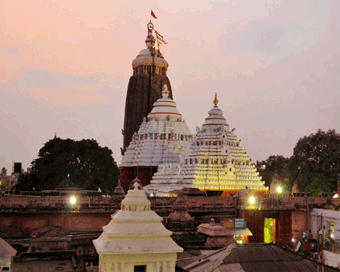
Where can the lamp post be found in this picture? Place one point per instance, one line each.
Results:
(73, 200)
(252, 200)
(279, 189)
(73, 203)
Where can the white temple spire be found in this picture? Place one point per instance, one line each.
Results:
(165, 92)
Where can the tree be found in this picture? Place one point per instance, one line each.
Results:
(274, 164)
(315, 163)
(70, 163)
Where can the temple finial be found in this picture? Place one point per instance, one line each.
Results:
(150, 39)
(165, 92)
(215, 100)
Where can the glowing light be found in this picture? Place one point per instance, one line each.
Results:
(151, 195)
(336, 196)
(252, 200)
(293, 240)
(279, 189)
(332, 235)
(73, 200)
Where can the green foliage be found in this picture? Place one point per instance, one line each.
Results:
(28, 182)
(315, 164)
(69, 163)
(316, 161)
(287, 185)
(274, 164)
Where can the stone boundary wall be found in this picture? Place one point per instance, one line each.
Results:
(285, 202)
(18, 201)
(264, 201)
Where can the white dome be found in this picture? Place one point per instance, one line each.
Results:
(164, 108)
(215, 117)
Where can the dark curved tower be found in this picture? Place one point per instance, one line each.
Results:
(145, 87)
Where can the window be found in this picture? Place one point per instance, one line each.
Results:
(140, 268)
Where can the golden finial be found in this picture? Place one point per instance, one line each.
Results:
(215, 100)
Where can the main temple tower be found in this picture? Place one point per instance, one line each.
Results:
(145, 86)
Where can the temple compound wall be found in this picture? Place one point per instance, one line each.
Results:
(283, 216)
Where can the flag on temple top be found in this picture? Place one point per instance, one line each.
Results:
(159, 42)
(160, 37)
(153, 15)
(158, 34)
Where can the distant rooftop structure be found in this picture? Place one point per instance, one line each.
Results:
(249, 258)
(7, 252)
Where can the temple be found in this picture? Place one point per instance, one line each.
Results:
(163, 138)
(135, 239)
(215, 163)
(145, 86)
(159, 148)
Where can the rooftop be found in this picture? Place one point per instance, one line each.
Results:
(249, 258)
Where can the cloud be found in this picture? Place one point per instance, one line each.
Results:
(61, 89)
(11, 50)
(267, 41)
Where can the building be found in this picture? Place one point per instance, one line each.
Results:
(162, 138)
(249, 258)
(7, 252)
(135, 240)
(7, 182)
(145, 86)
(325, 228)
(215, 163)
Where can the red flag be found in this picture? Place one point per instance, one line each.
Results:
(153, 15)
(157, 33)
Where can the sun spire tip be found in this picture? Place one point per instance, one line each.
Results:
(215, 100)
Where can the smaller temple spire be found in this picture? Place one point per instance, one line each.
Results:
(165, 92)
(215, 100)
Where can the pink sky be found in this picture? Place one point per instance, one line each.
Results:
(65, 67)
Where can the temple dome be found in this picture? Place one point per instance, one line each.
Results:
(215, 117)
(145, 58)
(149, 56)
(164, 108)
(163, 137)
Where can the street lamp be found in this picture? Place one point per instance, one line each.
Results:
(252, 200)
(73, 200)
(279, 189)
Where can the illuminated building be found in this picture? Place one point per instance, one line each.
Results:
(215, 162)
